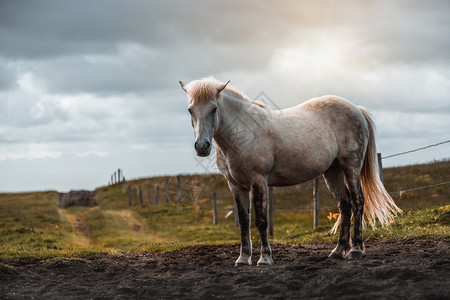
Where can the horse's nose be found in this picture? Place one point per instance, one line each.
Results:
(203, 147)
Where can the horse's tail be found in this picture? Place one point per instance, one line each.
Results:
(377, 202)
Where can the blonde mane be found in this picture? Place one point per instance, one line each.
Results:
(205, 89)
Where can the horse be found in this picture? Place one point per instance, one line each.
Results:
(258, 147)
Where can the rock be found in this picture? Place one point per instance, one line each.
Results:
(77, 198)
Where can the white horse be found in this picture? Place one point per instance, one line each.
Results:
(259, 147)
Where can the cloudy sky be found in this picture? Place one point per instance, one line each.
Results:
(87, 87)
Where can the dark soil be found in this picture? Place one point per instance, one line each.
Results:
(405, 269)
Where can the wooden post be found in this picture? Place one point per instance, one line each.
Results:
(140, 196)
(214, 209)
(236, 215)
(157, 194)
(112, 179)
(124, 186)
(135, 198)
(179, 188)
(167, 191)
(149, 197)
(316, 202)
(380, 166)
(118, 175)
(129, 195)
(270, 209)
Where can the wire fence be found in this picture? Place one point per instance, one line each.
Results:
(420, 188)
(411, 151)
(417, 149)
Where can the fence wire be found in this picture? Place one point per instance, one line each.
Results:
(420, 188)
(415, 150)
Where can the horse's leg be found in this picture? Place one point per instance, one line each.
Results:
(354, 185)
(259, 197)
(241, 197)
(334, 178)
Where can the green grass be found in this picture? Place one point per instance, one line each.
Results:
(31, 221)
(32, 227)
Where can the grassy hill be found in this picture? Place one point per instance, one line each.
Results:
(32, 225)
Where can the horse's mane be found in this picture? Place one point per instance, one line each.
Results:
(205, 89)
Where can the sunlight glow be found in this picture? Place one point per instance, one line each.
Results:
(323, 54)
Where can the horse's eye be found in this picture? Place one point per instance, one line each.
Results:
(214, 110)
(190, 111)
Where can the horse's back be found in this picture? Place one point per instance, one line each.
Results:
(328, 107)
(312, 135)
(344, 120)
(330, 112)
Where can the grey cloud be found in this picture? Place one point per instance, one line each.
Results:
(197, 38)
(7, 76)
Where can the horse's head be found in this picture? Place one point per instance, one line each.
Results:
(203, 96)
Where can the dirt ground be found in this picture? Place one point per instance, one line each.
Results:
(406, 269)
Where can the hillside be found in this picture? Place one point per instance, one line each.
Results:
(31, 224)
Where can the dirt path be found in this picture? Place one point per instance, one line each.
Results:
(135, 224)
(81, 233)
(80, 229)
(129, 218)
(407, 269)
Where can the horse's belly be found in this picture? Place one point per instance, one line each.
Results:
(301, 166)
(293, 175)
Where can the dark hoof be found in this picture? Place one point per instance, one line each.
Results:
(355, 255)
(335, 256)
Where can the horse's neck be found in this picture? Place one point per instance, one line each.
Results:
(239, 120)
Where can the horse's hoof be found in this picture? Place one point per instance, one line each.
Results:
(355, 255)
(336, 256)
(243, 261)
(265, 261)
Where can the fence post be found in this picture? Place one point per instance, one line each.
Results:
(149, 197)
(157, 194)
(270, 202)
(129, 195)
(316, 202)
(167, 191)
(140, 196)
(112, 179)
(236, 215)
(380, 166)
(124, 187)
(179, 188)
(118, 175)
(135, 198)
(214, 209)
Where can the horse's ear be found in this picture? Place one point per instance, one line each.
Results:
(222, 87)
(182, 86)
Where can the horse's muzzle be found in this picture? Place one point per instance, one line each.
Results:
(203, 148)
